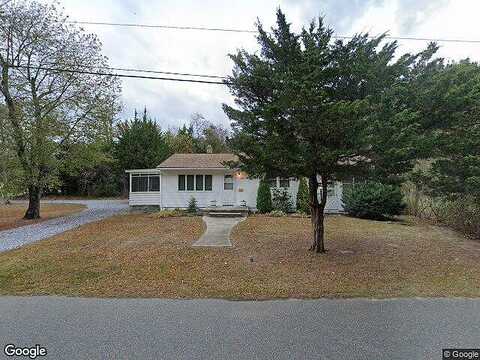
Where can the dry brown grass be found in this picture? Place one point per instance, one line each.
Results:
(11, 216)
(145, 256)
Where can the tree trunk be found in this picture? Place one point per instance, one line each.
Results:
(317, 210)
(33, 211)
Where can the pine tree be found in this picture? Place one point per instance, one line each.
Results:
(192, 205)
(305, 105)
(303, 203)
(264, 198)
(141, 144)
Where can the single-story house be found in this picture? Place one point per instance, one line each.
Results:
(213, 184)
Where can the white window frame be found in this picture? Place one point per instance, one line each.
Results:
(225, 177)
(140, 175)
(194, 183)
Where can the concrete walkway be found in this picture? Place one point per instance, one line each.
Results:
(96, 210)
(399, 329)
(218, 231)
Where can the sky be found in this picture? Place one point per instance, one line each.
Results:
(171, 104)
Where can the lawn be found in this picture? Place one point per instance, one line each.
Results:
(11, 216)
(141, 255)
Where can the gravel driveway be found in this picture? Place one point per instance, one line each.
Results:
(96, 210)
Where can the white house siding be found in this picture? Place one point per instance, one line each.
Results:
(244, 192)
(147, 198)
(173, 198)
(144, 198)
(334, 203)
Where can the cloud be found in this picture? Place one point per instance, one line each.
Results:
(172, 103)
(338, 14)
(412, 13)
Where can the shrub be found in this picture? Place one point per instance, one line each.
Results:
(373, 200)
(264, 198)
(303, 201)
(277, 213)
(462, 214)
(192, 205)
(281, 200)
(169, 213)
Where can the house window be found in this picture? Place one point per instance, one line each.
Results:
(208, 182)
(145, 183)
(154, 183)
(195, 182)
(284, 182)
(199, 182)
(228, 182)
(181, 182)
(190, 182)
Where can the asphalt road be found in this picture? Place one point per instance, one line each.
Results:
(405, 329)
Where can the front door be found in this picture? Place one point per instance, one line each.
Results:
(228, 198)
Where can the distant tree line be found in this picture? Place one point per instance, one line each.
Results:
(95, 165)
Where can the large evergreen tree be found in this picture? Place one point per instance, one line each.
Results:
(141, 144)
(303, 104)
(448, 105)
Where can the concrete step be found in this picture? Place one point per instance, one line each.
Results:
(226, 214)
(225, 209)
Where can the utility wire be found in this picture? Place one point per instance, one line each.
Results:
(254, 31)
(161, 72)
(162, 26)
(149, 71)
(100, 73)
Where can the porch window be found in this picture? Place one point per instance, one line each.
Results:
(154, 183)
(145, 183)
(228, 182)
(284, 182)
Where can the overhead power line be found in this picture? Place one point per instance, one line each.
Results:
(162, 26)
(201, 28)
(162, 72)
(209, 76)
(100, 73)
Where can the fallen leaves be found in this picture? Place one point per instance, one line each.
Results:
(138, 255)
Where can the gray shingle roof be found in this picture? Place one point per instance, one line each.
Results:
(197, 161)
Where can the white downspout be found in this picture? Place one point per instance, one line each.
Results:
(161, 193)
(129, 186)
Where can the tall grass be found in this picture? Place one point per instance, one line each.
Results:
(462, 214)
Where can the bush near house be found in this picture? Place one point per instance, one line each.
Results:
(192, 205)
(170, 213)
(281, 200)
(373, 200)
(264, 198)
(303, 203)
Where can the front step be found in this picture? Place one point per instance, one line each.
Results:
(225, 211)
(225, 214)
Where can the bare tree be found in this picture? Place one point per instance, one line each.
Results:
(50, 86)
